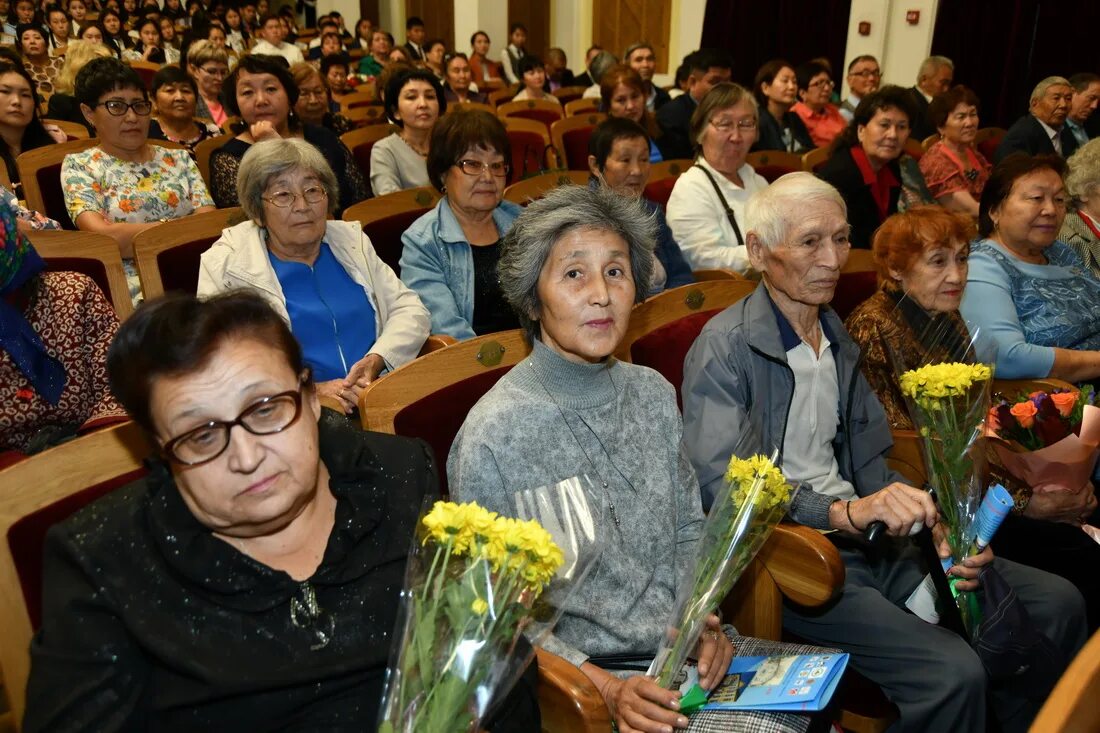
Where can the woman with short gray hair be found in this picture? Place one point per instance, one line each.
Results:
(351, 314)
(1081, 227)
(572, 267)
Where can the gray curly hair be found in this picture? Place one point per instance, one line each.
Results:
(527, 246)
(1084, 171)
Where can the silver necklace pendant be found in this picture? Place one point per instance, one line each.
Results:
(306, 614)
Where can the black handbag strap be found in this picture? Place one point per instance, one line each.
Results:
(729, 212)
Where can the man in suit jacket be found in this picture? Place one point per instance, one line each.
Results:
(414, 38)
(558, 74)
(585, 79)
(1043, 131)
(706, 68)
(641, 58)
(935, 76)
(1086, 97)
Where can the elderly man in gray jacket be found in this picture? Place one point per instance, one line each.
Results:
(777, 369)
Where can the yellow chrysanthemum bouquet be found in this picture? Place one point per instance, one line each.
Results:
(754, 499)
(948, 403)
(473, 585)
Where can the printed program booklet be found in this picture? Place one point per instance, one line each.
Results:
(794, 683)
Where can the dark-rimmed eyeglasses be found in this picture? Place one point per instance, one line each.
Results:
(117, 108)
(475, 167)
(215, 71)
(286, 199)
(208, 441)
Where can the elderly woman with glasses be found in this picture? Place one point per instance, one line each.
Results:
(449, 255)
(352, 315)
(706, 210)
(125, 185)
(572, 268)
(251, 580)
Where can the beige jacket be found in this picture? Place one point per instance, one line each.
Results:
(239, 260)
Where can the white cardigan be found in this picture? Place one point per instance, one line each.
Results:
(239, 260)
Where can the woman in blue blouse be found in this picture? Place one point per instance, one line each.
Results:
(449, 255)
(618, 158)
(1027, 291)
(347, 308)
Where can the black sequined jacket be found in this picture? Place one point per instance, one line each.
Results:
(152, 623)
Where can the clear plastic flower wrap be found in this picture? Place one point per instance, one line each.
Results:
(475, 582)
(754, 499)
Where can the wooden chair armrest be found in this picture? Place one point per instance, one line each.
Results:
(568, 700)
(805, 565)
(332, 403)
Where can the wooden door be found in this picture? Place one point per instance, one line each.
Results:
(617, 24)
(536, 16)
(438, 17)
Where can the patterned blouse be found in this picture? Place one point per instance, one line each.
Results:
(76, 323)
(945, 173)
(45, 74)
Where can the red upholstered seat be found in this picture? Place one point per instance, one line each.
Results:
(437, 418)
(85, 266)
(361, 153)
(179, 266)
(27, 537)
(146, 75)
(49, 182)
(385, 235)
(528, 154)
(546, 117)
(658, 191)
(771, 173)
(989, 146)
(576, 148)
(664, 348)
(853, 289)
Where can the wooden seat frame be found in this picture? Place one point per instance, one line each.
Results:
(398, 202)
(30, 162)
(92, 246)
(151, 242)
(559, 129)
(581, 106)
(528, 190)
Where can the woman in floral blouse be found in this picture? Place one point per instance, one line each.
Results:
(124, 185)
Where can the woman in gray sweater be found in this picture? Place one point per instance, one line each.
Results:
(572, 268)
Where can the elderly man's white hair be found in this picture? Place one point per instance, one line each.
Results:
(931, 65)
(773, 211)
(1040, 89)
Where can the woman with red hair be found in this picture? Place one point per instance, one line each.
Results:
(921, 257)
(623, 94)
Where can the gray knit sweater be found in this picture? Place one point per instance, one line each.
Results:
(528, 431)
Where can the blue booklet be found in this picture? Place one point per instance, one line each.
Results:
(794, 683)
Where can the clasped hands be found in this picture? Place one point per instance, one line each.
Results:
(901, 508)
(639, 705)
(347, 390)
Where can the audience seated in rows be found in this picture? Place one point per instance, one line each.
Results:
(330, 533)
(55, 328)
(776, 91)
(261, 91)
(616, 423)
(449, 256)
(1029, 292)
(174, 100)
(780, 350)
(1081, 227)
(921, 259)
(934, 77)
(623, 95)
(618, 158)
(705, 68)
(533, 78)
(953, 168)
(864, 165)
(352, 315)
(706, 210)
(124, 185)
(1043, 130)
(820, 116)
(414, 102)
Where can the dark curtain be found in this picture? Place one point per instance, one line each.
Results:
(1002, 48)
(756, 32)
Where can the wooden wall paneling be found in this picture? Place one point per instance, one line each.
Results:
(618, 23)
(367, 9)
(438, 17)
(535, 14)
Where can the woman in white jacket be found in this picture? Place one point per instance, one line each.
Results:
(347, 308)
